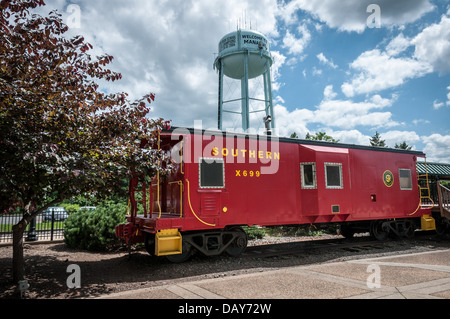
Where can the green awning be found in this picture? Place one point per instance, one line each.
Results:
(434, 169)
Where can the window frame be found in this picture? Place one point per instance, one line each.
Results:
(302, 175)
(206, 159)
(341, 179)
(400, 179)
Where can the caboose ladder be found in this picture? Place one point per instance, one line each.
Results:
(424, 191)
(427, 222)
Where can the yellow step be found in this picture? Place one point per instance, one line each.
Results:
(427, 222)
(168, 242)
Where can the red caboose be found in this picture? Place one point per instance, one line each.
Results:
(222, 181)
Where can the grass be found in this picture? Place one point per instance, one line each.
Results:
(255, 232)
(39, 226)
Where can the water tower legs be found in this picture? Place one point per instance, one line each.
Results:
(268, 96)
(220, 115)
(245, 97)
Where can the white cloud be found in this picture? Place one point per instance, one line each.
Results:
(296, 46)
(168, 47)
(421, 122)
(346, 114)
(278, 61)
(337, 114)
(289, 122)
(351, 15)
(437, 104)
(391, 137)
(349, 136)
(436, 148)
(398, 45)
(397, 137)
(316, 71)
(433, 45)
(448, 97)
(377, 71)
(328, 93)
(325, 61)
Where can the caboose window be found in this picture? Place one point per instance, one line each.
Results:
(333, 175)
(405, 179)
(212, 173)
(308, 175)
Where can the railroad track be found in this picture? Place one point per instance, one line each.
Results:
(293, 248)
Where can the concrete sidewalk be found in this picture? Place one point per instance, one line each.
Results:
(410, 276)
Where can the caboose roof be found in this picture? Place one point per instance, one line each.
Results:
(298, 141)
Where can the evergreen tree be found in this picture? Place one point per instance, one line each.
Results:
(403, 146)
(321, 136)
(377, 141)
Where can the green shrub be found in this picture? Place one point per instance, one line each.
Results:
(294, 231)
(254, 232)
(71, 208)
(94, 230)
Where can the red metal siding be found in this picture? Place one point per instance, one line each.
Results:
(253, 196)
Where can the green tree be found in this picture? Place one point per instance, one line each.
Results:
(60, 136)
(294, 135)
(321, 136)
(403, 146)
(377, 141)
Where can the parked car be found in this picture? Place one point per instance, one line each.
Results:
(59, 214)
(88, 208)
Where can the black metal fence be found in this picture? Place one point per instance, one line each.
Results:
(48, 225)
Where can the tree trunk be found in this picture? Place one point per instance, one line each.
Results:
(18, 260)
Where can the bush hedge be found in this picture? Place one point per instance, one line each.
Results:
(94, 230)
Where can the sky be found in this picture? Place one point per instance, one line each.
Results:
(349, 68)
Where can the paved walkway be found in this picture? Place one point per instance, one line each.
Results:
(410, 276)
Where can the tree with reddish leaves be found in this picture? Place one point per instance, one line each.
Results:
(60, 136)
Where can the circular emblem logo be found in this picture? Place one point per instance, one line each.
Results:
(388, 178)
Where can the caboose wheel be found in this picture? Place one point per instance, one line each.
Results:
(377, 231)
(346, 231)
(150, 244)
(409, 230)
(442, 225)
(184, 256)
(239, 243)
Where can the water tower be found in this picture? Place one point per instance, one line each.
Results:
(245, 55)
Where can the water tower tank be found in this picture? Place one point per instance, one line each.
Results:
(244, 55)
(232, 50)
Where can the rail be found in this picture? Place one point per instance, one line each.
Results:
(444, 200)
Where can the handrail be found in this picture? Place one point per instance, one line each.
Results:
(181, 164)
(444, 200)
(157, 177)
(445, 188)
